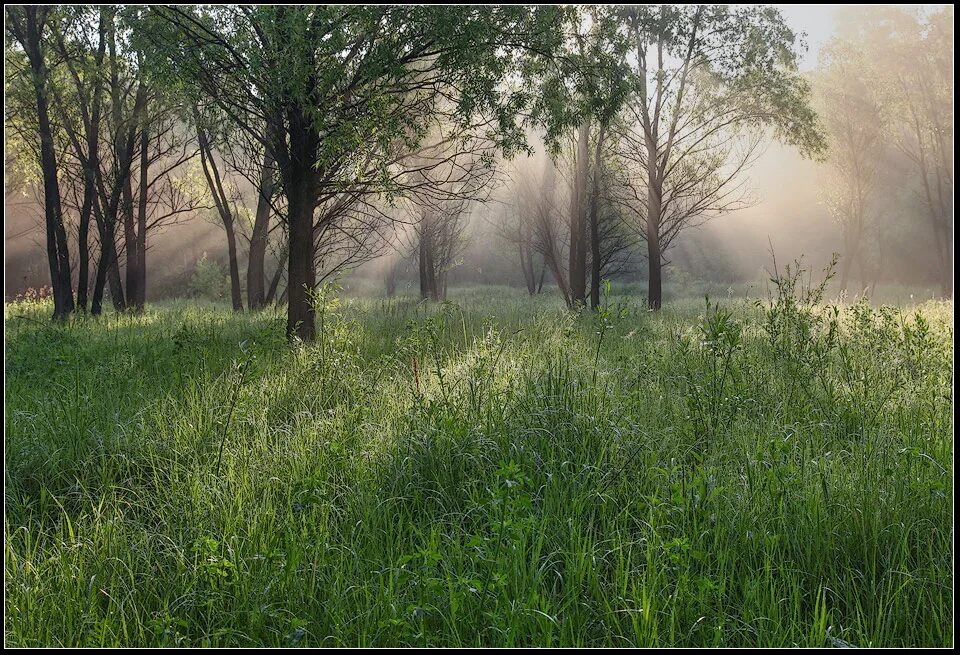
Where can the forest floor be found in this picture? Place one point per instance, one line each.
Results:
(493, 471)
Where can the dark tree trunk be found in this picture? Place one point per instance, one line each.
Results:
(301, 276)
(108, 272)
(654, 209)
(235, 296)
(274, 284)
(595, 222)
(301, 182)
(428, 281)
(256, 296)
(130, 243)
(654, 256)
(58, 255)
(526, 264)
(96, 304)
(578, 245)
(140, 296)
(83, 246)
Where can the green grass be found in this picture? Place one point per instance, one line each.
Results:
(495, 472)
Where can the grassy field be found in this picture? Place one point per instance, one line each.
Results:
(493, 471)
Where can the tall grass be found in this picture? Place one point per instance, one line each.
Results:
(491, 472)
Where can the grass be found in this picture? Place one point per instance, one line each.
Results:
(492, 472)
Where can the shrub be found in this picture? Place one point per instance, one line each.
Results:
(209, 280)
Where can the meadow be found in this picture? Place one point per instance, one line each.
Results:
(490, 471)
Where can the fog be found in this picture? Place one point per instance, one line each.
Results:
(790, 216)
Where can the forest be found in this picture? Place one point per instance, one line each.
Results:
(478, 326)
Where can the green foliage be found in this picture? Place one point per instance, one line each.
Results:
(210, 280)
(498, 472)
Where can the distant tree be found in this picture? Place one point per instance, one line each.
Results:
(707, 78)
(921, 60)
(898, 97)
(850, 106)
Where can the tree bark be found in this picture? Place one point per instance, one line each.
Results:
(256, 296)
(140, 295)
(83, 245)
(655, 264)
(58, 255)
(595, 222)
(301, 276)
(130, 243)
(428, 278)
(578, 249)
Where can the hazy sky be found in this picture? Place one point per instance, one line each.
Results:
(817, 22)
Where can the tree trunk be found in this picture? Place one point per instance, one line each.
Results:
(215, 186)
(96, 304)
(274, 284)
(140, 295)
(429, 282)
(130, 243)
(235, 295)
(654, 285)
(300, 269)
(578, 249)
(83, 274)
(390, 279)
(595, 222)
(526, 264)
(256, 296)
(58, 255)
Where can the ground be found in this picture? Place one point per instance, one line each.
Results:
(492, 471)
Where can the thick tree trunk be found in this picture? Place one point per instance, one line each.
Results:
(301, 277)
(578, 245)
(654, 256)
(256, 275)
(595, 222)
(58, 255)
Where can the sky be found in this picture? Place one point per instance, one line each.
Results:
(816, 21)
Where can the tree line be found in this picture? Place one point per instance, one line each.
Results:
(315, 135)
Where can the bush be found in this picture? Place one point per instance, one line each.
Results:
(209, 280)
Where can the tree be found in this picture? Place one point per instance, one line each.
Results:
(705, 76)
(855, 124)
(900, 61)
(448, 175)
(921, 60)
(327, 87)
(28, 26)
(584, 89)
